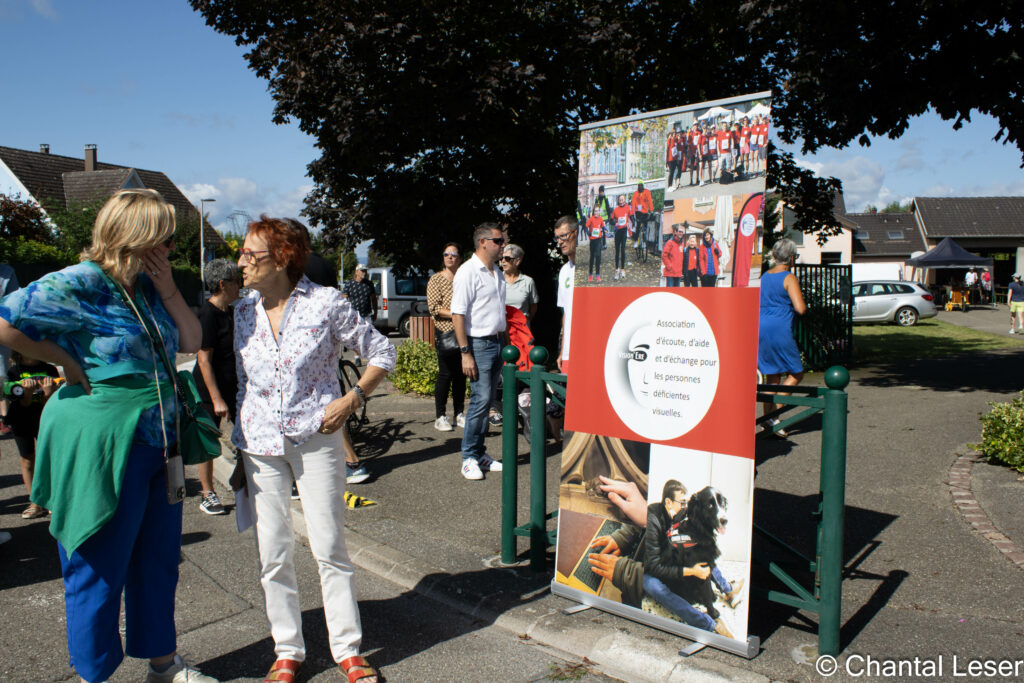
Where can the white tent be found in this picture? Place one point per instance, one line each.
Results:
(759, 110)
(714, 113)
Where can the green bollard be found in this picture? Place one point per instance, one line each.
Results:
(538, 466)
(833, 502)
(509, 455)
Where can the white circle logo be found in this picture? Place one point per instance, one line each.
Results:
(661, 366)
(747, 225)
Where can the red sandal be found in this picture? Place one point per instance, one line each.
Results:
(357, 669)
(283, 671)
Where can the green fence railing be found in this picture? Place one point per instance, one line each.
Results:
(824, 334)
(824, 597)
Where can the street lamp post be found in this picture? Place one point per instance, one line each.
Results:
(202, 250)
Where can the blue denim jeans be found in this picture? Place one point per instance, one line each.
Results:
(720, 580)
(689, 614)
(487, 354)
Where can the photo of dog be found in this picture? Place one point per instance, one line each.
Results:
(696, 558)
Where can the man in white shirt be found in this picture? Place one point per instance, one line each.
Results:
(565, 240)
(478, 312)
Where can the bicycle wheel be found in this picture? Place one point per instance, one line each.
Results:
(349, 375)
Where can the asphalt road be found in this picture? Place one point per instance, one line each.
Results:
(220, 616)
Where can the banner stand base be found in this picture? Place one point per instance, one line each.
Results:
(575, 609)
(692, 649)
(747, 649)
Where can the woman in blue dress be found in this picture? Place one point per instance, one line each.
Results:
(777, 355)
(106, 437)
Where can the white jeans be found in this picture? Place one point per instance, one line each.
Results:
(318, 469)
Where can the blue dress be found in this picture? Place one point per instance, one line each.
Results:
(776, 349)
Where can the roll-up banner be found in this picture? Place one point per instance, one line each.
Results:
(657, 478)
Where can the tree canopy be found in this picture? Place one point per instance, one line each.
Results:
(432, 116)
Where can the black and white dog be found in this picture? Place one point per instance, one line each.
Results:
(694, 535)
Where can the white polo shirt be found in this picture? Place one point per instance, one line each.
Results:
(566, 276)
(478, 292)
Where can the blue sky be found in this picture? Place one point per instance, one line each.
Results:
(153, 87)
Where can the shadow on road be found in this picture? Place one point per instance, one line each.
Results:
(997, 372)
(394, 628)
(781, 515)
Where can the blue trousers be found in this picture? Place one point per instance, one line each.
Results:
(137, 553)
(486, 353)
(678, 606)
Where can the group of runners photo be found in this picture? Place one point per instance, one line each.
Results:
(625, 220)
(716, 152)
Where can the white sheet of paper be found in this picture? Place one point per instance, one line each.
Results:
(243, 509)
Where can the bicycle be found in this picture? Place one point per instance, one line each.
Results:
(641, 242)
(349, 375)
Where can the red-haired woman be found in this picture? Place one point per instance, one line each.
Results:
(290, 406)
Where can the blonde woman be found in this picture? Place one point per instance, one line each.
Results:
(106, 480)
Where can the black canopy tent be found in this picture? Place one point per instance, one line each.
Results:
(949, 254)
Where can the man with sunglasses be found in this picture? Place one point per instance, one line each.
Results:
(478, 312)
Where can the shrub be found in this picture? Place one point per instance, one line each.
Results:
(416, 368)
(1002, 433)
(26, 251)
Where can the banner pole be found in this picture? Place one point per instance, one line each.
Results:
(509, 455)
(833, 502)
(538, 471)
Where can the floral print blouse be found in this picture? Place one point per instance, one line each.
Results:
(285, 384)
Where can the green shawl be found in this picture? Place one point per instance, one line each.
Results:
(82, 451)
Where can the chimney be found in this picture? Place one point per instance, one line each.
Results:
(44, 149)
(90, 157)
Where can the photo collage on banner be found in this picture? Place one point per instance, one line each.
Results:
(664, 334)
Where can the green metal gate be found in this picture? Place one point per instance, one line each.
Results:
(825, 333)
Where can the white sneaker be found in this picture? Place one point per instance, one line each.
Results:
(442, 424)
(179, 672)
(460, 420)
(1012, 331)
(488, 465)
(471, 470)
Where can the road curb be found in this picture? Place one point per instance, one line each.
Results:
(616, 653)
(959, 482)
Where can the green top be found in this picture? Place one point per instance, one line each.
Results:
(83, 448)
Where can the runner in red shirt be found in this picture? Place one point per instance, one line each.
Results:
(672, 257)
(762, 141)
(709, 147)
(673, 159)
(745, 144)
(595, 231)
(693, 154)
(725, 146)
(622, 220)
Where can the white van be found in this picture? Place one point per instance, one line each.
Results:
(398, 298)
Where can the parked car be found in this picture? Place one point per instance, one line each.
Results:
(398, 298)
(903, 303)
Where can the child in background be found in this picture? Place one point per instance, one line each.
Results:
(36, 380)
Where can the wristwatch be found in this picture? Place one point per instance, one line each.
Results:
(360, 395)
(463, 349)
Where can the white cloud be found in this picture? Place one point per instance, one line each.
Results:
(44, 8)
(244, 194)
(862, 179)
